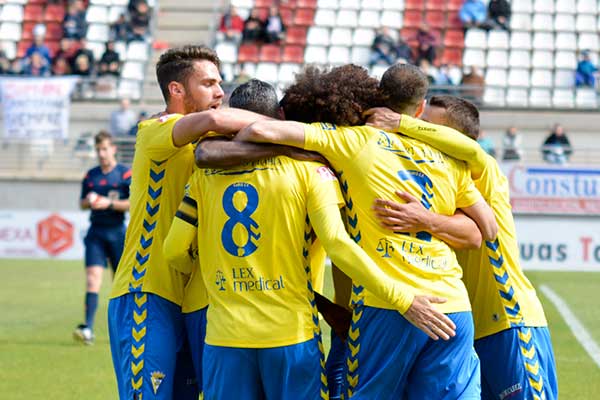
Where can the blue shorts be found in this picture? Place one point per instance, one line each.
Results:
(517, 364)
(146, 337)
(389, 358)
(104, 243)
(283, 373)
(336, 367)
(195, 326)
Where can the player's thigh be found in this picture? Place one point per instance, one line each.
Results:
(95, 253)
(146, 332)
(231, 373)
(195, 326)
(545, 352)
(447, 369)
(382, 347)
(293, 372)
(115, 241)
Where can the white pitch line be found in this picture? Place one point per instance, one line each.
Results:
(581, 334)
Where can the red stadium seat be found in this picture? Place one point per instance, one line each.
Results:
(28, 30)
(293, 54)
(454, 38)
(270, 53)
(436, 19)
(307, 4)
(264, 3)
(295, 35)
(436, 5)
(409, 34)
(22, 47)
(248, 53)
(54, 31)
(263, 13)
(454, 5)
(451, 57)
(287, 16)
(304, 17)
(33, 12)
(414, 4)
(413, 19)
(453, 21)
(54, 13)
(54, 46)
(41, 2)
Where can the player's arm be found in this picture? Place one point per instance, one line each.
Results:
(458, 230)
(483, 215)
(182, 236)
(84, 201)
(222, 152)
(194, 126)
(446, 140)
(278, 132)
(353, 261)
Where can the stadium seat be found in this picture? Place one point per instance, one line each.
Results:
(227, 52)
(519, 59)
(263, 3)
(540, 98)
(315, 55)
(27, 29)
(9, 48)
(98, 32)
(54, 31)
(521, 22)
(341, 37)
(516, 97)
(227, 72)
(520, 40)
(13, 13)
(129, 88)
(585, 23)
(392, 19)
(564, 23)
(363, 37)
(542, 59)
(22, 47)
(523, 6)
(454, 38)
(293, 54)
(451, 56)
(565, 6)
(455, 74)
(338, 55)
(97, 48)
(324, 17)
(412, 19)
(270, 53)
(393, 5)
(453, 21)
(305, 17)
(542, 22)
(287, 15)
(242, 3)
(587, 7)
(543, 6)
(497, 58)
(586, 98)
(494, 97)
(564, 78)
(563, 98)
(248, 53)
(10, 31)
(266, 71)
(588, 41)
(55, 13)
(115, 11)
(330, 4)
(543, 41)
(361, 55)
(414, 5)
(306, 4)
(287, 72)
(496, 77)
(435, 19)
(378, 70)
(437, 5)
(101, 2)
(347, 18)
(133, 70)
(295, 35)
(121, 48)
(541, 78)
(317, 36)
(371, 5)
(565, 59)
(97, 14)
(474, 57)
(498, 39)
(565, 41)
(138, 51)
(350, 4)
(31, 12)
(369, 19)
(519, 77)
(476, 38)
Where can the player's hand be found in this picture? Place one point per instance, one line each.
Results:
(304, 155)
(411, 216)
(424, 316)
(101, 203)
(383, 118)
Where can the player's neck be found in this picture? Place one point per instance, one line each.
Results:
(108, 167)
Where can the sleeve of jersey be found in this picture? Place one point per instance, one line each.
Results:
(126, 182)
(324, 188)
(354, 262)
(333, 142)
(446, 140)
(158, 137)
(467, 194)
(84, 188)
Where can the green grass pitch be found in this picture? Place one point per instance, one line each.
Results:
(41, 302)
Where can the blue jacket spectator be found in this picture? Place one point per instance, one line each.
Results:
(36, 66)
(39, 47)
(74, 24)
(585, 74)
(473, 14)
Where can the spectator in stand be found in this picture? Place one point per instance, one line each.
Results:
(139, 22)
(473, 14)
(74, 24)
(119, 30)
(61, 66)
(383, 48)
(38, 45)
(142, 116)
(274, 26)
(16, 67)
(231, 26)
(586, 71)
(557, 148)
(499, 13)
(83, 50)
(404, 52)
(474, 83)
(443, 77)
(83, 65)
(512, 145)
(109, 64)
(486, 144)
(425, 67)
(254, 27)
(426, 45)
(67, 50)
(123, 119)
(36, 65)
(4, 63)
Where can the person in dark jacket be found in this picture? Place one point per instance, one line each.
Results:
(110, 62)
(499, 14)
(383, 48)
(557, 148)
(426, 45)
(254, 27)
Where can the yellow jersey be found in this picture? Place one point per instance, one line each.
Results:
(374, 164)
(160, 171)
(501, 295)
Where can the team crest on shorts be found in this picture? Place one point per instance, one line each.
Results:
(156, 378)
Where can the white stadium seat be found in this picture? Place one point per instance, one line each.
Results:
(497, 58)
(565, 59)
(564, 78)
(114, 12)
(340, 36)
(348, 18)
(267, 72)
(317, 35)
(494, 97)
(565, 6)
(369, 19)
(242, 3)
(541, 78)
(516, 97)
(227, 72)
(586, 98)
(9, 48)
(10, 31)
(133, 70)
(227, 52)
(519, 77)
(371, 4)
(476, 38)
(543, 41)
(97, 14)
(474, 57)
(393, 4)
(565, 41)
(315, 55)
(338, 55)
(350, 4)
(563, 98)
(105, 3)
(11, 13)
(331, 4)
(138, 51)
(121, 48)
(496, 77)
(585, 23)
(564, 23)
(392, 19)
(542, 22)
(97, 48)
(498, 39)
(325, 17)
(588, 41)
(519, 59)
(363, 37)
(361, 55)
(587, 7)
(542, 59)
(520, 40)
(520, 22)
(129, 88)
(287, 72)
(540, 98)
(98, 32)
(543, 6)
(522, 6)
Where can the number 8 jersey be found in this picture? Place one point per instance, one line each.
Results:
(253, 249)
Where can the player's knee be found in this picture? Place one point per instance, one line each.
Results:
(94, 279)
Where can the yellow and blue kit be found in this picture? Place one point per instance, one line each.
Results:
(512, 339)
(145, 323)
(373, 164)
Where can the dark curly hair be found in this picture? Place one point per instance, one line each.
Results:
(339, 95)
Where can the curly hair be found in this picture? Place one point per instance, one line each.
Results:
(339, 95)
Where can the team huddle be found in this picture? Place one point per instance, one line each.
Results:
(234, 210)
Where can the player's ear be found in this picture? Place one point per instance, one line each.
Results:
(421, 109)
(176, 89)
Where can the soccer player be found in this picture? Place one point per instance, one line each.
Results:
(104, 190)
(511, 334)
(145, 322)
(253, 227)
(389, 357)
